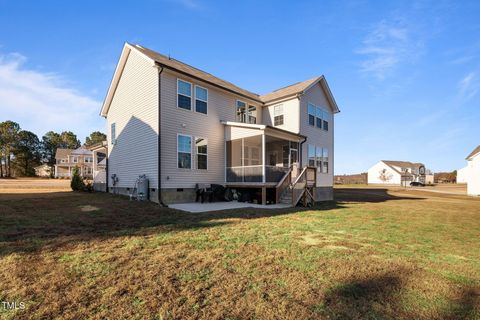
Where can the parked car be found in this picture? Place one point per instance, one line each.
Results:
(416, 184)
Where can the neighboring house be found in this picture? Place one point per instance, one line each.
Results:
(471, 173)
(43, 171)
(181, 126)
(398, 173)
(67, 159)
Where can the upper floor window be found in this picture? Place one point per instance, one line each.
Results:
(202, 153)
(74, 159)
(201, 99)
(113, 136)
(88, 159)
(326, 119)
(252, 114)
(241, 111)
(318, 117)
(278, 115)
(184, 152)
(184, 94)
(311, 114)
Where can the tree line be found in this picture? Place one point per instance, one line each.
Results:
(21, 150)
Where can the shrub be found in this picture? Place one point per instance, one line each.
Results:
(77, 183)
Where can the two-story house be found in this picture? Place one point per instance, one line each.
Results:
(181, 126)
(67, 159)
(401, 173)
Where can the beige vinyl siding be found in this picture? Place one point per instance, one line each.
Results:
(134, 110)
(316, 136)
(221, 106)
(291, 114)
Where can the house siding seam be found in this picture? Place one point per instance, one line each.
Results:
(134, 110)
(316, 136)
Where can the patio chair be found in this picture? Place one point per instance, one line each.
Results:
(202, 191)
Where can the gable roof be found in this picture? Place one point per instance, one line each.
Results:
(403, 164)
(473, 153)
(62, 153)
(289, 90)
(183, 68)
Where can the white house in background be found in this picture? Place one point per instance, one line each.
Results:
(462, 175)
(472, 172)
(181, 126)
(397, 173)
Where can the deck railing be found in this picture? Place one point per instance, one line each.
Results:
(305, 180)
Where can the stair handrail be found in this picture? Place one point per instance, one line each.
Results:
(283, 184)
(298, 180)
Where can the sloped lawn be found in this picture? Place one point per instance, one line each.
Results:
(371, 254)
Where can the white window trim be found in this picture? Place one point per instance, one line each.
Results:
(196, 153)
(191, 95)
(191, 153)
(74, 159)
(278, 115)
(195, 93)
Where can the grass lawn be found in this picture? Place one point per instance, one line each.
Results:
(371, 254)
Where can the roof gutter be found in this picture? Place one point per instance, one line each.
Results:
(161, 65)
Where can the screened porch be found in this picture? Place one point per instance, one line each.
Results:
(260, 155)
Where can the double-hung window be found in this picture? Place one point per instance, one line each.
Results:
(318, 119)
(326, 118)
(201, 99)
(74, 159)
(201, 145)
(113, 133)
(311, 114)
(252, 114)
(325, 161)
(311, 155)
(278, 115)
(184, 152)
(318, 158)
(184, 94)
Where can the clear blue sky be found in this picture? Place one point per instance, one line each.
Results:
(405, 74)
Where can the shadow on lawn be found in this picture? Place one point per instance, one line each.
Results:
(380, 297)
(26, 225)
(367, 195)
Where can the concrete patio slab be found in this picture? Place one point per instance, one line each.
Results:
(220, 206)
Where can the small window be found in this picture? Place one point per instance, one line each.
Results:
(241, 111)
(202, 153)
(318, 158)
(113, 133)
(184, 94)
(88, 159)
(311, 114)
(184, 152)
(278, 115)
(74, 159)
(325, 161)
(326, 118)
(252, 114)
(318, 113)
(201, 99)
(311, 155)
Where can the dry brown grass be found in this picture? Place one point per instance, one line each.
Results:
(370, 254)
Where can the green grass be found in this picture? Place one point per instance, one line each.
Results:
(373, 253)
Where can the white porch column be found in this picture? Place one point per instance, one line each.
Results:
(263, 157)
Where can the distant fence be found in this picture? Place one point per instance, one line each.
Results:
(351, 179)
